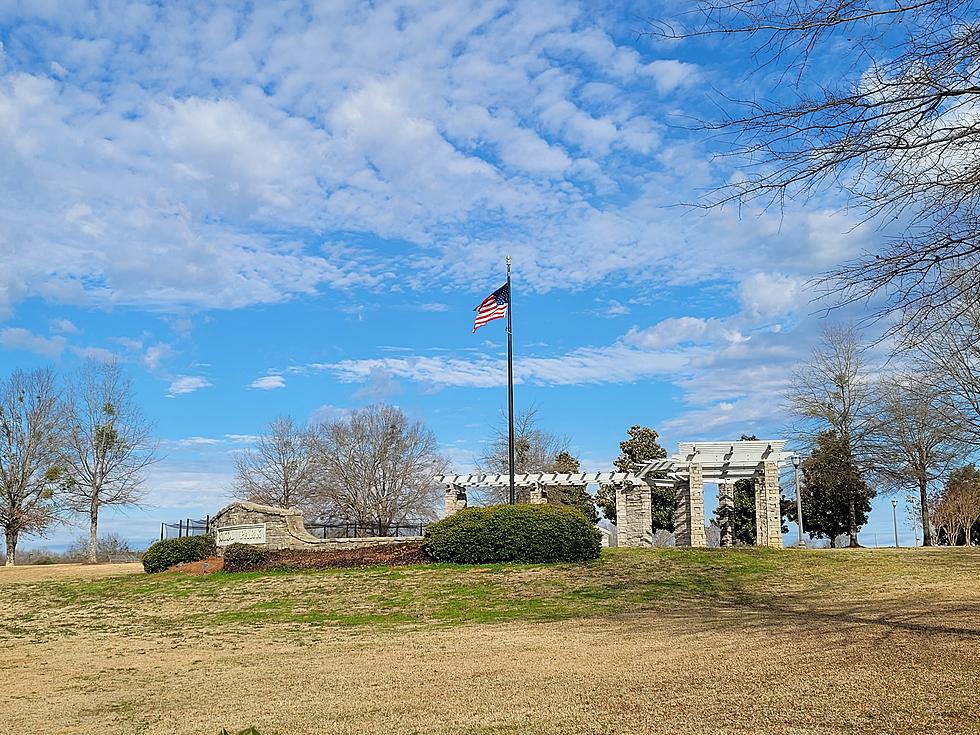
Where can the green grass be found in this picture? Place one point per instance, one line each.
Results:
(621, 581)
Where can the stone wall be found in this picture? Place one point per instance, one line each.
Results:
(284, 529)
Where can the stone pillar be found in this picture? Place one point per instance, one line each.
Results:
(761, 532)
(455, 499)
(689, 509)
(768, 515)
(539, 494)
(634, 521)
(726, 512)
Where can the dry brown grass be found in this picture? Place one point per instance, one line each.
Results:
(861, 641)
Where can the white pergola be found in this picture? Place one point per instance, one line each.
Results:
(685, 472)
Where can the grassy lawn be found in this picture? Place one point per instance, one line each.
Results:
(639, 641)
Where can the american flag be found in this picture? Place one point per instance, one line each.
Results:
(492, 307)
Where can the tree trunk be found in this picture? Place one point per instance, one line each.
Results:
(93, 533)
(924, 506)
(11, 538)
(852, 521)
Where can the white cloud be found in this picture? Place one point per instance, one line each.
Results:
(268, 382)
(682, 330)
(95, 353)
(768, 295)
(670, 74)
(155, 354)
(63, 326)
(187, 384)
(18, 338)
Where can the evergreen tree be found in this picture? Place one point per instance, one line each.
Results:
(641, 447)
(832, 489)
(573, 495)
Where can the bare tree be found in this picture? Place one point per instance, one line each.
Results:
(948, 349)
(896, 125)
(106, 446)
(913, 444)
(280, 470)
(535, 450)
(378, 468)
(834, 391)
(957, 506)
(30, 415)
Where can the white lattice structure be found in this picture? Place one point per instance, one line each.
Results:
(695, 463)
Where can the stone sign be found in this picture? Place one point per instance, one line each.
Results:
(244, 522)
(253, 533)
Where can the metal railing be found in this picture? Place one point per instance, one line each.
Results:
(200, 526)
(361, 530)
(185, 527)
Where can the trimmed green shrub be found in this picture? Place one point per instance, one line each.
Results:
(164, 554)
(244, 558)
(513, 533)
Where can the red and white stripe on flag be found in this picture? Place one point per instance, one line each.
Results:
(492, 307)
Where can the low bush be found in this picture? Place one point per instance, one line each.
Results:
(164, 554)
(244, 558)
(513, 533)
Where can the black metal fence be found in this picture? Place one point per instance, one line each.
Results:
(185, 527)
(360, 530)
(201, 526)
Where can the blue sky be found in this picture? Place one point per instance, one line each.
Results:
(295, 209)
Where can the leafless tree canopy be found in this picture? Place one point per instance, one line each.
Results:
(30, 416)
(914, 445)
(378, 468)
(949, 351)
(106, 443)
(834, 391)
(535, 450)
(897, 126)
(281, 469)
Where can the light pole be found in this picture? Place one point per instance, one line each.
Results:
(799, 501)
(895, 519)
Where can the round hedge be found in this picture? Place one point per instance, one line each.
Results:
(164, 554)
(245, 558)
(513, 533)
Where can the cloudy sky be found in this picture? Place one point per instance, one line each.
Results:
(295, 209)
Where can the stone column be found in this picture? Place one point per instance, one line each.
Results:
(634, 522)
(689, 509)
(768, 516)
(761, 531)
(455, 499)
(539, 494)
(726, 512)
(773, 513)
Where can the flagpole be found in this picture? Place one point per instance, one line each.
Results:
(510, 385)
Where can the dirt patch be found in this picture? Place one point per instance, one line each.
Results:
(205, 566)
(51, 572)
(390, 555)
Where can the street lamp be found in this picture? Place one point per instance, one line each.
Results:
(799, 502)
(895, 519)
